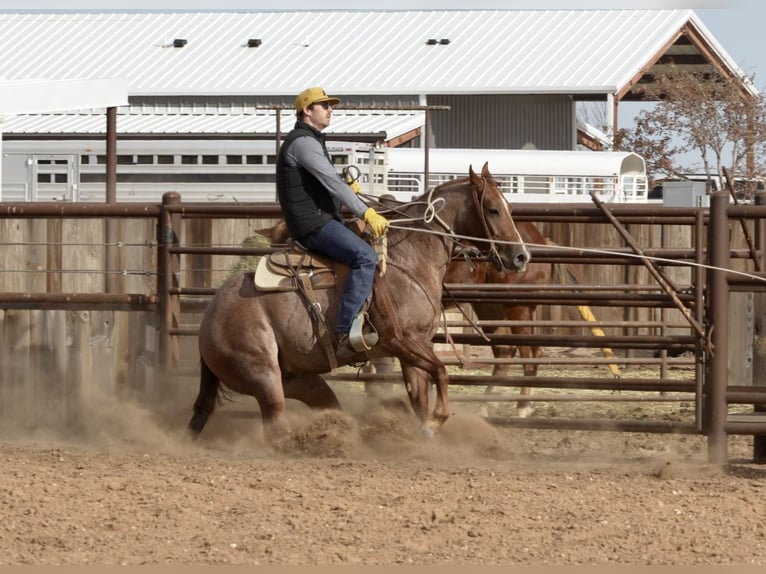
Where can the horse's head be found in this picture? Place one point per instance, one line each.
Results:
(505, 246)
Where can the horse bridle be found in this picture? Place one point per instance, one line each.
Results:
(478, 199)
(492, 253)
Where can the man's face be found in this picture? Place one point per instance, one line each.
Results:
(318, 115)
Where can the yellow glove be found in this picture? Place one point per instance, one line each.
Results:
(351, 177)
(377, 222)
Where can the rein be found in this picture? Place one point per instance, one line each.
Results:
(431, 214)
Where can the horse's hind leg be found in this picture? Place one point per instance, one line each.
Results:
(311, 390)
(524, 408)
(206, 400)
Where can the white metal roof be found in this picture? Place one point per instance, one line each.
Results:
(347, 52)
(390, 124)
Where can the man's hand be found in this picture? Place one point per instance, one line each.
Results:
(354, 185)
(351, 177)
(377, 222)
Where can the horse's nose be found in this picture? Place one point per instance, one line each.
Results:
(521, 259)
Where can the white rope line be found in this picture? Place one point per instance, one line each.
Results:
(590, 250)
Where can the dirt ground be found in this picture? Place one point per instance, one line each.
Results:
(123, 485)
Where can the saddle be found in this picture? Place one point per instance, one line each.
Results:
(280, 271)
(296, 269)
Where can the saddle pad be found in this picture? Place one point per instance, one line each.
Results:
(266, 279)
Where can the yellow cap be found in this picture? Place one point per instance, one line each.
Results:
(313, 96)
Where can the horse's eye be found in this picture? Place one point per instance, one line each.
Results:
(494, 212)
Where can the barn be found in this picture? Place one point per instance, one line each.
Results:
(509, 78)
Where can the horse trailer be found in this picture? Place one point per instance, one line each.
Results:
(212, 170)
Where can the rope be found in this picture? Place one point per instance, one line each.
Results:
(587, 250)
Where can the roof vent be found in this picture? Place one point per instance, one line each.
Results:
(432, 42)
(254, 42)
(444, 41)
(180, 42)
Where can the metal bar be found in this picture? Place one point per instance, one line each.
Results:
(589, 383)
(166, 281)
(80, 210)
(79, 301)
(667, 286)
(742, 221)
(674, 427)
(718, 321)
(111, 154)
(497, 398)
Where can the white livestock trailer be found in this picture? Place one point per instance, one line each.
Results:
(527, 175)
(244, 170)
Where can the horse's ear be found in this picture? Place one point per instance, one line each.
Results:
(485, 171)
(475, 179)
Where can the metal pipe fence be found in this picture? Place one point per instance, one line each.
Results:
(704, 295)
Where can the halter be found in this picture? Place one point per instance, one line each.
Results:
(431, 214)
(478, 200)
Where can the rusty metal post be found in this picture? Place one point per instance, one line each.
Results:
(111, 251)
(716, 381)
(111, 155)
(701, 357)
(759, 361)
(168, 269)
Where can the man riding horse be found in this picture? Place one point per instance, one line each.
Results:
(311, 194)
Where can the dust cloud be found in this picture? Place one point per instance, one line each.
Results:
(110, 419)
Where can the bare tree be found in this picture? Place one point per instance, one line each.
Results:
(708, 115)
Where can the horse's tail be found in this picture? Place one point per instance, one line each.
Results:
(207, 399)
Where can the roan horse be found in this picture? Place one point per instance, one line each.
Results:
(263, 343)
(478, 271)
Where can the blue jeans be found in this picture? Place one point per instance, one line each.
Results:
(339, 243)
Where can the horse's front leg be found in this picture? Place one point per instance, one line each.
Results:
(419, 361)
(417, 382)
(441, 409)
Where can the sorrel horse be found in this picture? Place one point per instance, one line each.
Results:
(479, 272)
(263, 343)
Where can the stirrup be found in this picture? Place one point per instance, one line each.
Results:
(359, 340)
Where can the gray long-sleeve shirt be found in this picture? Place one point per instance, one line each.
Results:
(307, 153)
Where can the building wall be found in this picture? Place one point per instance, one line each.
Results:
(498, 121)
(503, 121)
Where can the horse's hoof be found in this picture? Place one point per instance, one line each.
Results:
(427, 431)
(524, 412)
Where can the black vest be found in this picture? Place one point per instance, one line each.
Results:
(306, 204)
